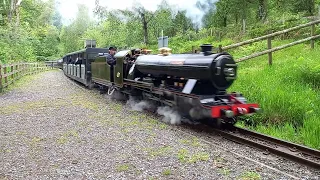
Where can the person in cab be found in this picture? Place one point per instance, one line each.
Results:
(111, 60)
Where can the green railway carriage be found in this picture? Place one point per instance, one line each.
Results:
(77, 65)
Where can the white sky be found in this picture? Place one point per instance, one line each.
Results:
(68, 8)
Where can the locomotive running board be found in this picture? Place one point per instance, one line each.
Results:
(101, 81)
(138, 83)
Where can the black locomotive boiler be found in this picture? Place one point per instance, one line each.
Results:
(194, 84)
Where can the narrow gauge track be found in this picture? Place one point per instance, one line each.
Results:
(292, 151)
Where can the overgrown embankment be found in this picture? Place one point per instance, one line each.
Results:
(288, 92)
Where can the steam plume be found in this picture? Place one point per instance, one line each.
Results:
(137, 105)
(170, 116)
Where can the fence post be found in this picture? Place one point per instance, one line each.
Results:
(12, 74)
(28, 69)
(270, 53)
(17, 72)
(0, 78)
(312, 34)
(6, 77)
(24, 69)
(220, 48)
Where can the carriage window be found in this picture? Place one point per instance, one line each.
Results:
(92, 55)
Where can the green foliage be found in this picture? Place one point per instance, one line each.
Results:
(33, 30)
(29, 34)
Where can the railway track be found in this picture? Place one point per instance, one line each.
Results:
(292, 151)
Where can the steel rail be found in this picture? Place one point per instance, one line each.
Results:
(285, 149)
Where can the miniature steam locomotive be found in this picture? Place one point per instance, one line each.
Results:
(194, 84)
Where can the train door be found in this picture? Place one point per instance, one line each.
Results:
(118, 68)
(101, 70)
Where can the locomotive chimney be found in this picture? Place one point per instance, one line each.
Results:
(206, 49)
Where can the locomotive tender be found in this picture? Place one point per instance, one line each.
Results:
(194, 84)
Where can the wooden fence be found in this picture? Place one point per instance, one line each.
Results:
(269, 37)
(10, 73)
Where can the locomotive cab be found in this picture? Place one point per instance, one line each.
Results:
(110, 75)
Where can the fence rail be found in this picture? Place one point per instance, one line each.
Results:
(52, 64)
(269, 37)
(10, 73)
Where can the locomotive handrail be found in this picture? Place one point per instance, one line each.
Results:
(269, 36)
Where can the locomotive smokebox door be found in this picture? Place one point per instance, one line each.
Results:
(118, 68)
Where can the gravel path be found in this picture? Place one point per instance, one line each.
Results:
(53, 128)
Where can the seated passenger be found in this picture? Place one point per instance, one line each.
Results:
(137, 53)
(78, 61)
(111, 60)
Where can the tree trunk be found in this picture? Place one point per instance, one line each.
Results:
(243, 25)
(262, 10)
(236, 16)
(145, 30)
(11, 11)
(225, 21)
(18, 17)
(311, 7)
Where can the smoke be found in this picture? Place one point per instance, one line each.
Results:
(137, 105)
(169, 115)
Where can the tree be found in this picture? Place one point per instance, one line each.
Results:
(57, 20)
(145, 17)
(162, 20)
(182, 23)
(70, 36)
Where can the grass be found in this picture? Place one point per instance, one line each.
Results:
(166, 172)
(194, 142)
(250, 175)
(225, 171)
(288, 92)
(68, 136)
(185, 157)
(123, 167)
